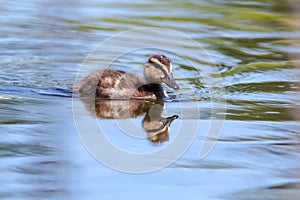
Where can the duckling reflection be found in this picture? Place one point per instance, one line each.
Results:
(154, 124)
(158, 128)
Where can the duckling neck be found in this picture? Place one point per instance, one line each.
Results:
(157, 90)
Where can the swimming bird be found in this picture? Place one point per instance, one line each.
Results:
(117, 84)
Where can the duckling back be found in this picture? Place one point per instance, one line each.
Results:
(115, 84)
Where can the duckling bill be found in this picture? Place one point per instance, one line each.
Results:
(117, 84)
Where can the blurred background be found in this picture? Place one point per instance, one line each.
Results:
(255, 46)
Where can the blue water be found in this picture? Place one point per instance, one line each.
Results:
(253, 44)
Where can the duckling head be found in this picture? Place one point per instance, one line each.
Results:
(158, 70)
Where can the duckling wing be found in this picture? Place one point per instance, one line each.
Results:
(88, 85)
(111, 83)
(131, 86)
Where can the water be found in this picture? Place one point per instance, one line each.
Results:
(253, 45)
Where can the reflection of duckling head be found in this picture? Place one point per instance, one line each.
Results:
(158, 128)
(162, 133)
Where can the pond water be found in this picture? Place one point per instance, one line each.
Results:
(254, 47)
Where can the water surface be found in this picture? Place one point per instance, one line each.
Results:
(253, 45)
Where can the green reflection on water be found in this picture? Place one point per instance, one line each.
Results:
(246, 19)
(258, 66)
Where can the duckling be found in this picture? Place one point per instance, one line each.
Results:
(117, 84)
